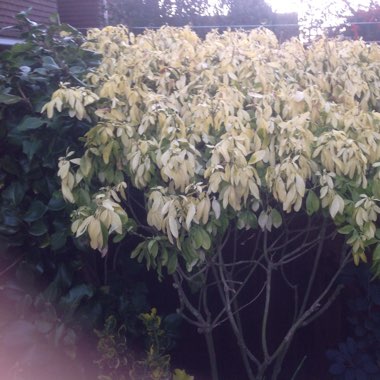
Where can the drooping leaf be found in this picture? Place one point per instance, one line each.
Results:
(312, 203)
(172, 262)
(276, 218)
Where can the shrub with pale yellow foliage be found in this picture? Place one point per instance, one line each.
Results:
(235, 126)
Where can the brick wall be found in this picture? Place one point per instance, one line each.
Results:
(81, 14)
(41, 10)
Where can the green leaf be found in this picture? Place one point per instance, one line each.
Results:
(276, 218)
(10, 218)
(62, 281)
(153, 248)
(83, 197)
(188, 251)
(172, 262)
(138, 250)
(247, 219)
(36, 210)
(31, 147)
(118, 238)
(9, 99)
(346, 229)
(376, 253)
(56, 204)
(38, 228)
(49, 63)
(196, 236)
(164, 256)
(14, 193)
(105, 234)
(10, 165)
(200, 238)
(58, 240)
(376, 188)
(30, 123)
(206, 240)
(312, 203)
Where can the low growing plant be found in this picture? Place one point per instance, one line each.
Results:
(119, 362)
(359, 356)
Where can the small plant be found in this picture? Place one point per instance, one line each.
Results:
(115, 357)
(118, 361)
(351, 362)
(359, 356)
(157, 361)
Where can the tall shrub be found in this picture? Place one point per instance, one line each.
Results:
(196, 140)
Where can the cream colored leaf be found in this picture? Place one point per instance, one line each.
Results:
(299, 96)
(116, 224)
(64, 169)
(300, 185)
(206, 210)
(254, 189)
(83, 226)
(67, 194)
(216, 208)
(263, 219)
(257, 156)
(190, 215)
(94, 232)
(337, 205)
(173, 226)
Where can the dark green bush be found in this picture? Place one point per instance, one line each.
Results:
(31, 207)
(54, 292)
